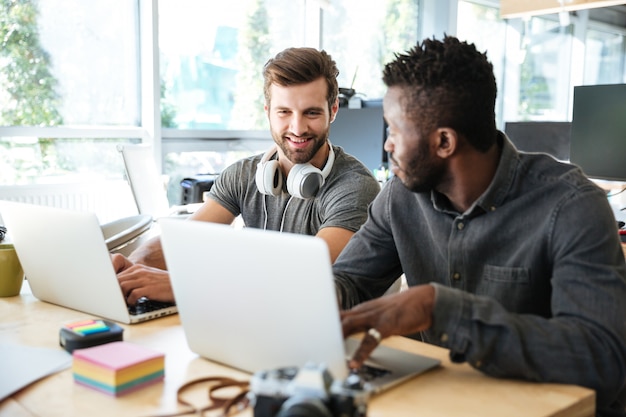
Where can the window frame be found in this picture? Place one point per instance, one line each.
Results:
(171, 140)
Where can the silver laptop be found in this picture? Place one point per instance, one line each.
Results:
(146, 185)
(66, 262)
(260, 300)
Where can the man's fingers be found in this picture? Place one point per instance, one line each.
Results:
(362, 317)
(370, 341)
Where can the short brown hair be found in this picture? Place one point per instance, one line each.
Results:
(295, 66)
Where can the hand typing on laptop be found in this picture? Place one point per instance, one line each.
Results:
(401, 313)
(139, 280)
(73, 256)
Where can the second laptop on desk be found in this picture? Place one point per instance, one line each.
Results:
(260, 300)
(66, 261)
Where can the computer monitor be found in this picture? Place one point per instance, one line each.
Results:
(598, 138)
(361, 132)
(552, 138)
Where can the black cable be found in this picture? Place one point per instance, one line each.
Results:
(619, 192)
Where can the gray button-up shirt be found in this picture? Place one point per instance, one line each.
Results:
(530, 281)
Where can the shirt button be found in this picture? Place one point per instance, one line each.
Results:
(444, 338)
(478, 364)
(456, 276)
(492, 208)
(460, 226)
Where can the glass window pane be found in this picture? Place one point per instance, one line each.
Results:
(68, 62)
(180, 164)
(212, 59)
(33, 160)
(481, 25)
(604, 58)
(544, 72)
(363, 39)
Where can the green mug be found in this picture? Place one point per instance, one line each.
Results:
(11, 272)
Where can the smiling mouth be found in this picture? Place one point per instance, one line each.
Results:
(297, 140)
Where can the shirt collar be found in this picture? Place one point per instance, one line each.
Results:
(497, 191)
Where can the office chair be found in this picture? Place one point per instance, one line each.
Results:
(126, 234)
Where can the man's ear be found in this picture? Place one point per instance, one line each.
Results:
(333, 110)
(447, 142)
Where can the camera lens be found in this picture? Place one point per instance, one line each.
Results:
(304, 407)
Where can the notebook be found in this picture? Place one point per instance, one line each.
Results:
(66, 261)
(261, 300)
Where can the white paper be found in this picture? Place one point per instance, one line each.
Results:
(21, 365)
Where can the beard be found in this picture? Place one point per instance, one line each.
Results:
(423, 172)
(304, 155)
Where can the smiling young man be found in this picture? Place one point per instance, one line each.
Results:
(513, 260)
(302, 184)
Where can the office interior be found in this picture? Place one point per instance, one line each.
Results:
(179, 81)
(183, 78)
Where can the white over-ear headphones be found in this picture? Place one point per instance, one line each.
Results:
(303, 181)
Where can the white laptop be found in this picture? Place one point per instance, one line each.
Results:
(66, 262)
(261, 300)
(146, 185)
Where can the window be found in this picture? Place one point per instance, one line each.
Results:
(211, 66)
(363, 39)
(189, 158)
(212, 59)
(531, 60)
(480, 24)
(66, 63)
(73, 73)
(211, 63)
(544, 88)
(604, 56)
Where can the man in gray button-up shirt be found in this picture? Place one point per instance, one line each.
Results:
(513, 260)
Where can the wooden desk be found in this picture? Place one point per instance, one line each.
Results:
(450, 390)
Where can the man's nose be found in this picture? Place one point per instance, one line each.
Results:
(298, 125)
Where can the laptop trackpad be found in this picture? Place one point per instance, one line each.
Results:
(387, 367)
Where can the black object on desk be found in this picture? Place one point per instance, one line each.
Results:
(87, 333)
(194, 187)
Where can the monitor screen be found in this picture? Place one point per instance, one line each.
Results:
(598, 137)
(548, 137)
(361, 133)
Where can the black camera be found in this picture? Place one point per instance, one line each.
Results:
(307, 392)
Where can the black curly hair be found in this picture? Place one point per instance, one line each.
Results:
(448, 83)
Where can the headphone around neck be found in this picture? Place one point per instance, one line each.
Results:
(303, 181)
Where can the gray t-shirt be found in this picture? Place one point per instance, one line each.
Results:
(341, 202)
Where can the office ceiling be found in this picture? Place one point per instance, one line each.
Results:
(614, 15)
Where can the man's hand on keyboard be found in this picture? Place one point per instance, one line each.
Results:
(402, 313)
(139, 281)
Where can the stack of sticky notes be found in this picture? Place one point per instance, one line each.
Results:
(86, 333)
(117, 368)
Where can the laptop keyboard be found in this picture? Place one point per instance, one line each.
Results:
(369, 373)
(144, 305)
